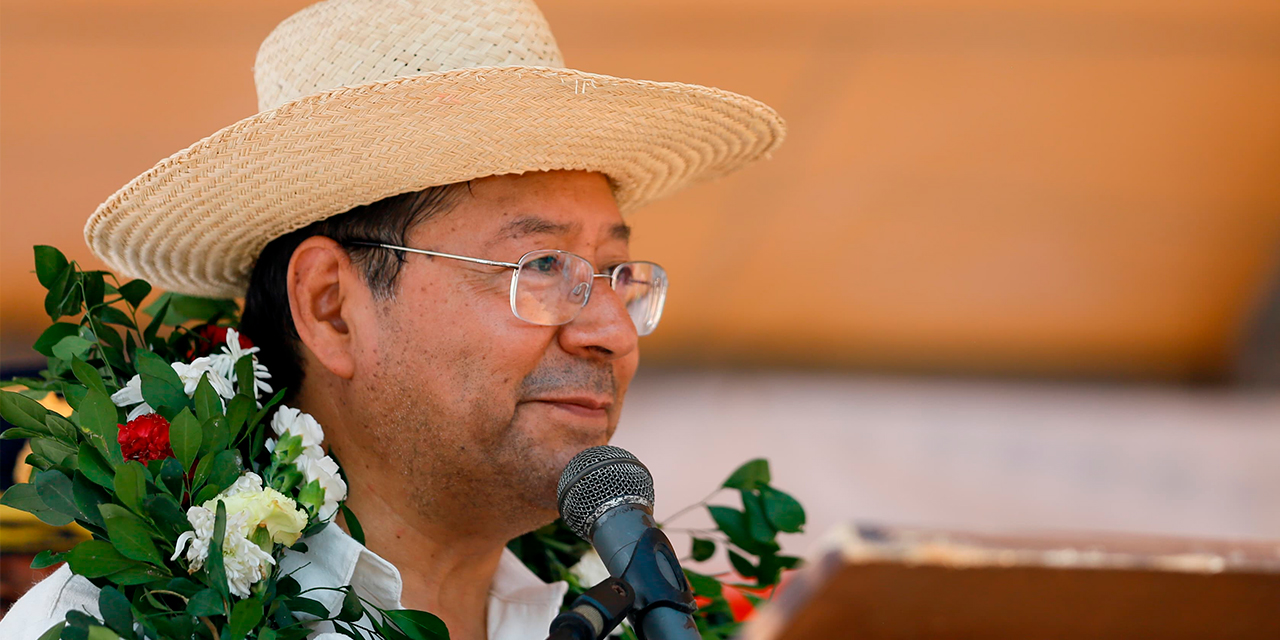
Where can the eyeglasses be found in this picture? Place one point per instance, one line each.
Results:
(551, 287)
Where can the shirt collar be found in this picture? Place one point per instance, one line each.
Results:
(334, 558)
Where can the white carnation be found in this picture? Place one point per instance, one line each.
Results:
(225, 363)
(290, 421)
(244, 561)
(590, 570)
(325, 471)
(190, 375)
(130, 395)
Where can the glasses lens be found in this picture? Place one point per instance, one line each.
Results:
(643, 289)
(551, 287)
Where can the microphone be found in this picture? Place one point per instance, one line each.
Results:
(606, 496)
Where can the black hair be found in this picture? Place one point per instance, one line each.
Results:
(267, 319)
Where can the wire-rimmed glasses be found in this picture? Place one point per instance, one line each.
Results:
(550, 287)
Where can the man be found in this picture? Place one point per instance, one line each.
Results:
(426, 222)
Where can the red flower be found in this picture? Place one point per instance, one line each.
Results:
(145, 438)
(207, 339)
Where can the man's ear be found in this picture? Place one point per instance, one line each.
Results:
(323, 286)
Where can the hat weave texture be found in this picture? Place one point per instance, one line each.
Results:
(365, 99)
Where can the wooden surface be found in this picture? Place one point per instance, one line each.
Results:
(877, 584)
(1051, 187)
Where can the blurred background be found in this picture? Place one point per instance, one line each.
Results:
(1016, 268)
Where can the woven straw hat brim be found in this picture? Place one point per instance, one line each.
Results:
(196, 222)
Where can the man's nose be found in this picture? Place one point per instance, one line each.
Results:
(603, 330)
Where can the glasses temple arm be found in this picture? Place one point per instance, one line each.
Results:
(438, 254)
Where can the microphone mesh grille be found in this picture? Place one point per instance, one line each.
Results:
(598, 480)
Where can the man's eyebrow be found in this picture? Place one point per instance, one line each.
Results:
(533, 225)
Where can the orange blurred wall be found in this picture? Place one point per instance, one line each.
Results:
(1066, 188)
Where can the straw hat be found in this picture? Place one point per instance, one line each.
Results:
(364, 99)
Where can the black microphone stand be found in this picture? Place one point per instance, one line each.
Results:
(666, 594)
(595, 613)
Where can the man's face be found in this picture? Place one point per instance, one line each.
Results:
(469, 407)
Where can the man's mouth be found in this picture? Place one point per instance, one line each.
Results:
(585, 406)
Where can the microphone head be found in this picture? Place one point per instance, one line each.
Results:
(598, 480)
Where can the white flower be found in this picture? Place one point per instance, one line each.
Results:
(244, 561)
(225, 363)
(290, 421)
(590, 570)
(131, 394)
(325, 471)
(250, 508)
(190, 375)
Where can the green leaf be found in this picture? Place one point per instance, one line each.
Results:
(112, 315)
(312, 494)
(418, 625)
(184, 437)
(54, 632)
(94, 288)
(161, 386)
(238, 411)
(749, 476)
(98, 414)
(167, 514)
(353, 523)
(103, 633)
(53, 335)
(23, 412)
(705, 586)
(308, 606)
(24, 497)
(213, 564)
(206, 603)
(351, 610)
(130, 484)
(742, 565)
(88, 376)
(135, 291)
(71, 347)
(703, 549)
(214, 436)
(157, 319)
(60, 428)
(783, 511)
(244, 377)
(757, 524)
(116, 611)
(225, 470)
(95, 467)
(97, 559)
(50, 263)
(733, 523)
(202, 471)
(46, 559)
(58, 290)
(55, 490)
(88, 496)
(208, 404)
(54, 451)
(138, 573)
(183, 308)
(131, 537)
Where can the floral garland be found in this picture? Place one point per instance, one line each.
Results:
(194, 480)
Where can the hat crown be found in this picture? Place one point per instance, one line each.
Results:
(352, 42)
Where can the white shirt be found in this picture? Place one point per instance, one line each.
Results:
(521, 606)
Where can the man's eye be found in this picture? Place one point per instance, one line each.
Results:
(546, 264)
